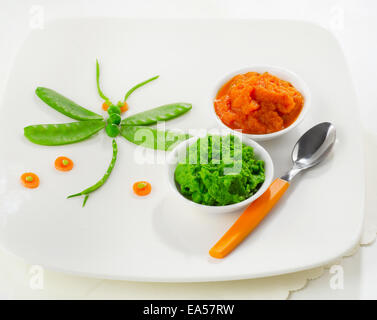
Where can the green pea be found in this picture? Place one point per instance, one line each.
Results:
(141, 185)
(114, 118)
(29, 178)
(113, 109)
(112, 130)
(65, 162)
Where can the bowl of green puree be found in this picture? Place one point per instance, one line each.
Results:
(219, 173)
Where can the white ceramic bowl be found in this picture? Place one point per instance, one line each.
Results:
(281, 73)
(259, 151)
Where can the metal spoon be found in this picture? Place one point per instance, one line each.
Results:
(310, 149)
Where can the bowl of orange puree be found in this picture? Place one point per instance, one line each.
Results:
(263, 102)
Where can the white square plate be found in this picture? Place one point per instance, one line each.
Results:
(120, 236)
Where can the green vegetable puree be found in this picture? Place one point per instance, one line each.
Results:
(218, 171)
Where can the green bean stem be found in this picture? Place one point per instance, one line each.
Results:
(98, 86)
(138, 86)
(101, 182)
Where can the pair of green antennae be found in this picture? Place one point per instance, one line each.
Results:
(129, 92)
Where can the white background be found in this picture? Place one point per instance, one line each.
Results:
(354, 22)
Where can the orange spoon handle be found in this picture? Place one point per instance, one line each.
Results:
(249, 219)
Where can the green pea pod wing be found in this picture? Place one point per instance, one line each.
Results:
(65, 133)
(152, 138)
(162, 113)
(65, 106)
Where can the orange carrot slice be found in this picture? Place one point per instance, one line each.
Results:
(142, 188)
(30, 180)
(124, 107)
(105, 106)
(63, 164)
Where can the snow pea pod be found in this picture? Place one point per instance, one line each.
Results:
(152, 138)
(65, 133)
(101, 182)
(65, 106)
(152, 116)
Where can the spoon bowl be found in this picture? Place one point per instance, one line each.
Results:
(314, 145)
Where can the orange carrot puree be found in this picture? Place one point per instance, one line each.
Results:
(30, 180)
(258, 103)
(142, 188)
(63, 164)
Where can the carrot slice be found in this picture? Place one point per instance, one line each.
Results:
(142, 188)
(105, 106)
(30, 180)
(63, 164)
(124, 107)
